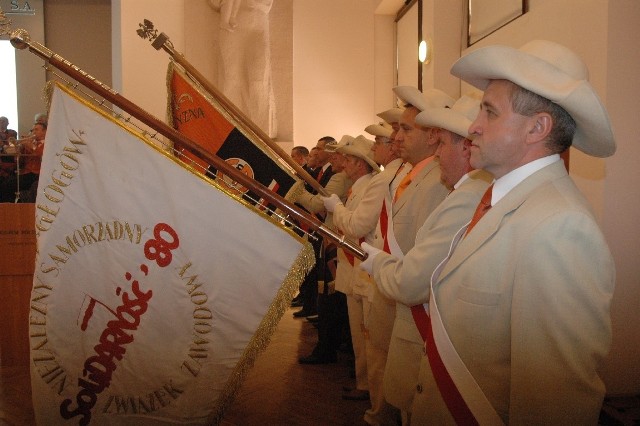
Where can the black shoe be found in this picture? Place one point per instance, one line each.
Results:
(315, 359)
(313, 318)
(296, 303)
(302, 313)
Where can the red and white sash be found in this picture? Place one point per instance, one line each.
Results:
(391, 245)
(461, 393)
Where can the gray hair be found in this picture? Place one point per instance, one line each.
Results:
(527, 103)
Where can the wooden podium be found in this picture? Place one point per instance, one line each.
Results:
(17, 262)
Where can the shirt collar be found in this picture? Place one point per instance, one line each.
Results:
(418, 167)
(462, 179)
(506, 183)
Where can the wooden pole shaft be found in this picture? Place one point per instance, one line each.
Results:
(20, 40)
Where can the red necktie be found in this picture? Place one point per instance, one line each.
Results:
(483, 207)
(384, 226)
(404, 183)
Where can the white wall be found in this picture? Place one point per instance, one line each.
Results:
(333, 62)
(201, 23)
(621, 210)
(139, 71)
(384, 64)
(441, 21)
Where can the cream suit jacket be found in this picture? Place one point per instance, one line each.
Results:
(347, 275)
(406, 280)
(525, 300)
(383, 310)
(391, 171)
(420, 198)
(359, 219)
(339, 184)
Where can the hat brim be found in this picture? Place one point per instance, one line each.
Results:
(349, 150)
(594, 135)
(378, 130)
(392, 115)
(411, 96)
(447, 119)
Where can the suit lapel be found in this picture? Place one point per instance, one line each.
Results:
(490, 223)
(326, 176)
(412, 188)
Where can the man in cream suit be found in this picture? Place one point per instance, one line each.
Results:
(524, 297)
(353, 221)
(411, 199)
(417, 145)
(359, 218)
(403, 278)
(332, 309)
(339, 183)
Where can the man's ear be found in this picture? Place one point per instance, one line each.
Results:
(433, 138)
(541, 125)
(466, 148)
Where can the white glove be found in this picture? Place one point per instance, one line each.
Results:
(330, 203)
(367, 264)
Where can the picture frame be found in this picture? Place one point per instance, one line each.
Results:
(487, 16)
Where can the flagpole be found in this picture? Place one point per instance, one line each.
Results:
(161, 41)
(20, 39)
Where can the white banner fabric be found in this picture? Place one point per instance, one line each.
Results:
(154, 290)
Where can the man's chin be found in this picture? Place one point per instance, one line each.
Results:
(475, 162)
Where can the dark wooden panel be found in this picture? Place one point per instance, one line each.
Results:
(17, 255)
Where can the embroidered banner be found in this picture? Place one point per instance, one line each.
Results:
(196, 115)
(154, 290)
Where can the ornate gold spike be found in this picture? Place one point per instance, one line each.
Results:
(5, 24)
(147, 30)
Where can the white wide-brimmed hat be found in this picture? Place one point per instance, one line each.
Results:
(391, 115)
(431, 98)
(381, 129)
(333, 146)
(456, 119)
(359, 147)
(552, 71)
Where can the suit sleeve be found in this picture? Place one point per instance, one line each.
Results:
(338, 184)
(363, 219)
(407, 280)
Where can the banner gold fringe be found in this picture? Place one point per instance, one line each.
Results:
(262, 336)
(47, 93)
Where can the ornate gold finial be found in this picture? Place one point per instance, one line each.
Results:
(147, 31)
(5, 24)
